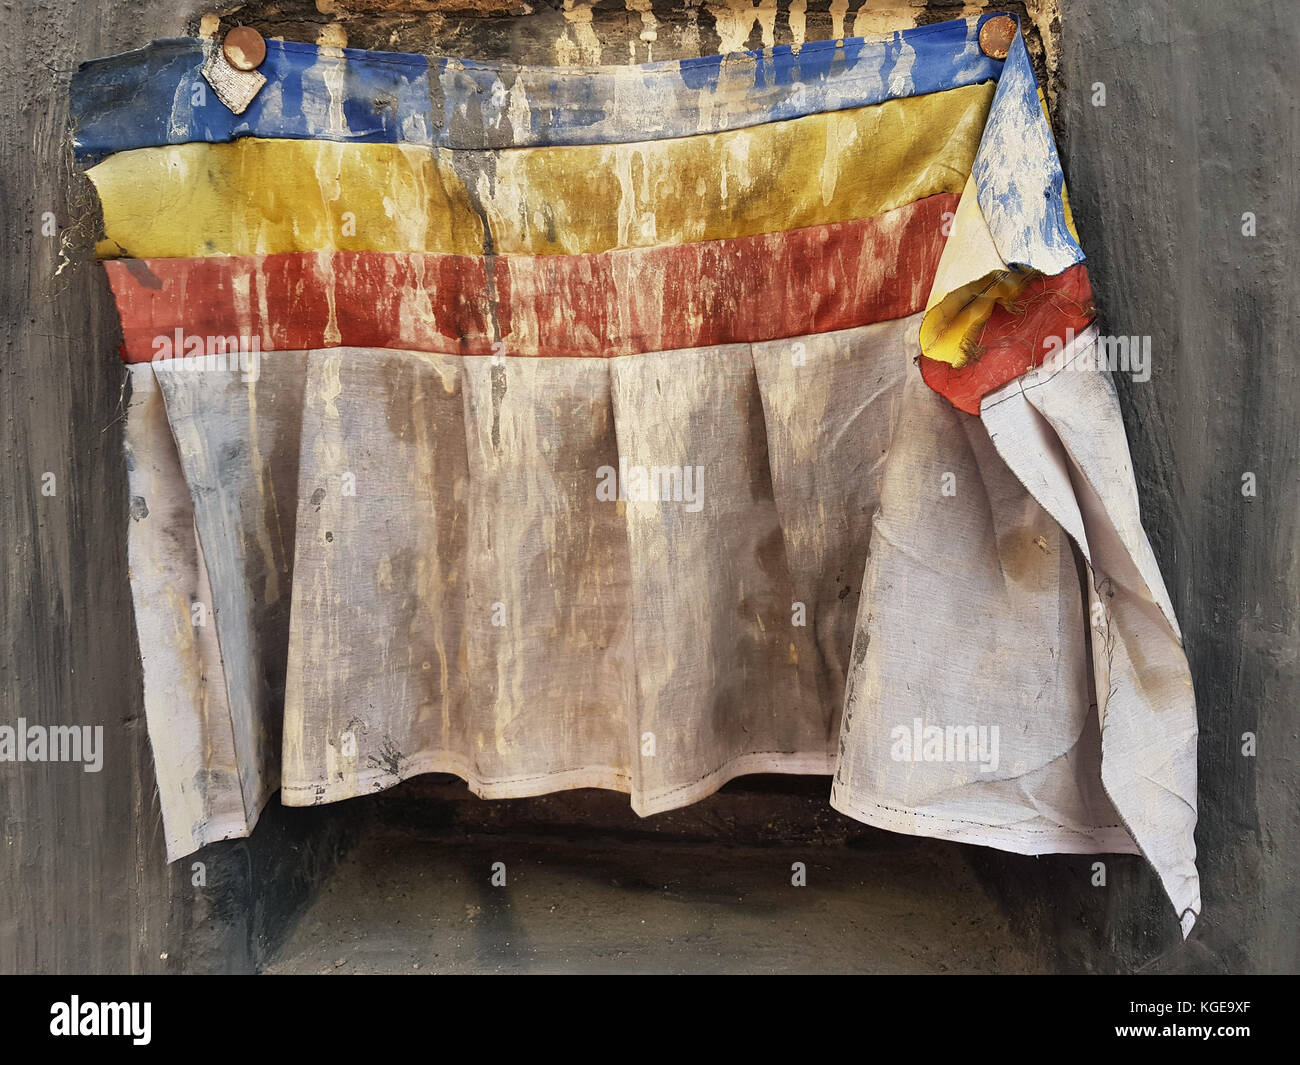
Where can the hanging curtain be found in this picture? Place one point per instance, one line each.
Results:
(633, 428)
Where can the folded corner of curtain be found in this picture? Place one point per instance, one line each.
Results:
(1010, 286)
(1060, 432)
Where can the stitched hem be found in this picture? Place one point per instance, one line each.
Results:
(792, 764)
(315, 793)
(213, 830)
(1013, 837)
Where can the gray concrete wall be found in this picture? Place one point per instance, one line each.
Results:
(1199, 127)
(1202, 125)
(84, 884)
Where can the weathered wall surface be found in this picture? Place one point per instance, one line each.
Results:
(1199, 127)
(84, 884)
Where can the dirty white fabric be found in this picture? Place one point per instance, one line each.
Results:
(190, 725)
(448, 592)
(1089, 699)
(1059, 429)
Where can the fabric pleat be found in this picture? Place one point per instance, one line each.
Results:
(190, 724)
(470, 594)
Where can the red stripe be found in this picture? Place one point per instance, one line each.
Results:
(740, 290)
(302, 300)
(1015, 339)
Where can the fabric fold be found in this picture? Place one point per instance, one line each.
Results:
(971, 718)
(1010, 279)
(237, 438)
(543, 573)
(200, 785)
(1060, 429)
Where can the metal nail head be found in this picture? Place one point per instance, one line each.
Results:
(244, 48)
(996, 35)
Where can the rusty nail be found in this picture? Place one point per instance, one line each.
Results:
(996, 35)
(244, 48)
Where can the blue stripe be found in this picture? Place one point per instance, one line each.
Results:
(502, 106)
(156, 95)
(1018, 176)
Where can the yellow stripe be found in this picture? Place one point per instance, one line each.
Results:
(253, 197)
(264, 196)
(782, 175)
